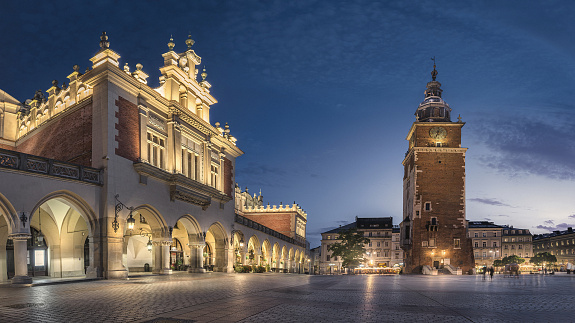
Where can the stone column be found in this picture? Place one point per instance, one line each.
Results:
(20, 256)
(161, 253)
(197, 261)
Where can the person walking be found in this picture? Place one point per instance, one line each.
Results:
(484, 271)
(491, 272)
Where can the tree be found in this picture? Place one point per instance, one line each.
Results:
(513, 259)
(543, 258)
(351, 248)
(498, 263)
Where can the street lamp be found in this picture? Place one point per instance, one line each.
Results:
(149, 245)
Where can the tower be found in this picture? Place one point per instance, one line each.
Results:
(434, 230)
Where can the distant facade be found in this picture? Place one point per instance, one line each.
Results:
(517, 242)
(561, 244)
(434, 228)
(315, 258)
(382, 251)
(486, 238)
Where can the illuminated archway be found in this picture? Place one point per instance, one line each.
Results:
(217, 239)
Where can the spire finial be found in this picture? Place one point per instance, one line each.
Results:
(434, 72)
(190, 41)
(104, 43)
(171, 44)
(204, 74)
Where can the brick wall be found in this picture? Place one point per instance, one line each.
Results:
(228, 177)
(128, 127)
(280, 222)
(68, 138)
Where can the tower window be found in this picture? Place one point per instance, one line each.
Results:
(427, 206)
(438, 144)
(456, 243)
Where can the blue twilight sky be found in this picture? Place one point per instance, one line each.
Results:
(321, 94)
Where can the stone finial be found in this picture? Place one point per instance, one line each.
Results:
(104, 43)
(64, 85)
(217, 124)
(459, 118)
(204, 74)
(139, 66)
(227, 129)
(126, 68)
(171, 44)
(76, 68)
(55, 83)
(190, 42)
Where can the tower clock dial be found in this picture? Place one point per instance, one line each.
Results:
(438, 132)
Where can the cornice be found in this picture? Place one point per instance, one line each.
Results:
(433, 150)
(183, 188)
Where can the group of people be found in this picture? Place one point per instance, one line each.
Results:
(489, 271)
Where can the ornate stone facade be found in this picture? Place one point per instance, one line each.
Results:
(114, 176)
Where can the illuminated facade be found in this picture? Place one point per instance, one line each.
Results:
(382, 251)
(434, 229)
(105, 176)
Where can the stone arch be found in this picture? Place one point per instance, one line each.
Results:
(74, 201)
(67, 223)
(284, 258)
(238, 246)
(216, 236)
(152, 217)
(188, 231)
(276, 256)
(267, 252)
(254, 250)
(9, 214)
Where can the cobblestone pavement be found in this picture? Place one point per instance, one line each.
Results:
(218, 297)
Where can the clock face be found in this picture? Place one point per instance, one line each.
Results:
(438, 132)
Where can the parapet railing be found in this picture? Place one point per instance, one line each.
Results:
(40, 165)
(254, 225)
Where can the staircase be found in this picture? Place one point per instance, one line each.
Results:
(427, 270)
(450, 270)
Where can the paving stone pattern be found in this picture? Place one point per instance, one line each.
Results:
(219, 297)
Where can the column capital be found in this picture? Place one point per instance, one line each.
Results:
(20, 236)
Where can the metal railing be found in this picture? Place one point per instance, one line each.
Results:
(40, 165)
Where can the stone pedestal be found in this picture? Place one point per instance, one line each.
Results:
(197, 261)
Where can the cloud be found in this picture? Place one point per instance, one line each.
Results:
(558, 227)
(572, 216)
(530, 145)
(489, 201)
(487, 219)
(550, 222)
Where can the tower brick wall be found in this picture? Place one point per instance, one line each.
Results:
(280, 222)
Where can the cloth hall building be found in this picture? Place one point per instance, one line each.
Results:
(105, 176)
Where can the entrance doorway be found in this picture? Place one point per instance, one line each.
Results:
(176, 255)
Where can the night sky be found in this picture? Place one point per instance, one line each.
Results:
(321, 94)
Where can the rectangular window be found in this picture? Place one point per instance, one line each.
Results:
(494, 244)
(156, 150)
(424, 243)
(457, 243)
(484, 254)
(484, 244)
(432, 242)
(434, 221)
(327, 258)
(476, 234)
(379, 244)
(370, 244)
(476, 244)
(214, 173)
(427, 206)
(387, 243)
(484, 234)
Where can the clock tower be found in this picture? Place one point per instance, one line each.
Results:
(434, 228)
